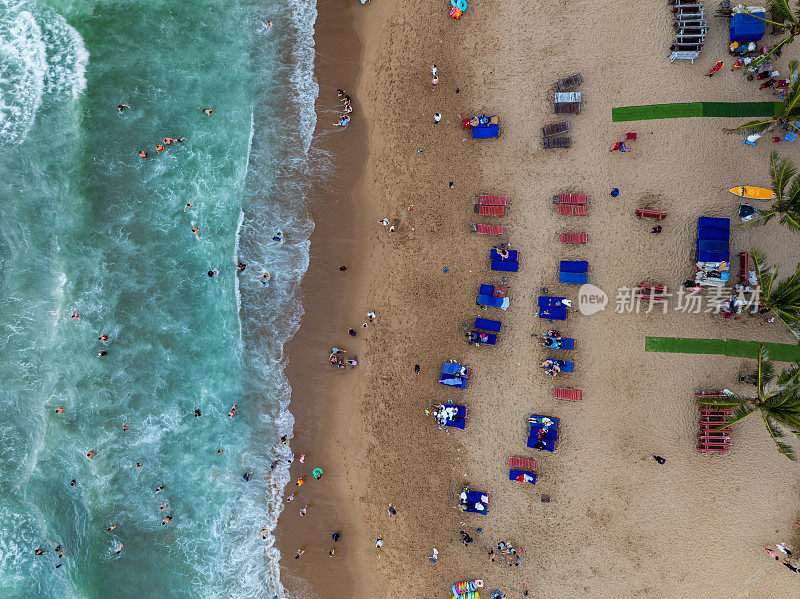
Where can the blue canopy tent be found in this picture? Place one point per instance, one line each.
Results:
(747, 28)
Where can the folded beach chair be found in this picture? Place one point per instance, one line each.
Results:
(570, 210)
(573, 237)
(574, 272)
(494, 254)
(492, 200)
(555, 129)
(488, 325)
(569, 82)
(522, 463)
(568, 108)
(555, 142)
(505, 265)
(487, 229)
(522, 476)
(566, 393)
(482, 338)
(570, 198)
(489, 210)
(475, 501)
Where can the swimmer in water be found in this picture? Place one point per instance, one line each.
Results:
(138, 464)
(164, 507)
(112, 527)
(232, 413)
(265, 279)
(300, 482)
(168, 140)
(188, 205)
(290, 498)
(219, 451)
(241, 266)
(101, 353)
(166, 519)
(103, 337)
(72, 483)
(213, 273)
(208, 111)
(75, 315)
(60, 410)
(274, 465)
(118, 549)
(195, 231)
(159, 488)
(159, 148)
(264, 533)
(283, 440)
(278, 236)
(180, 139)
(91, 453)
(39, 551)
(142, 154)
(302, 458)
(197, 413)
(120, 107)
(267, 25)
(246, 476)
(125, 427)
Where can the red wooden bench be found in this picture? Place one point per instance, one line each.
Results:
(744, 266)
(492, 200)
(571, 210)
(573, 237)
(565, 393)
(522, 464)
(570, 198)
(646, 213)
(488, 229)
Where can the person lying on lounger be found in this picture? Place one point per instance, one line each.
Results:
(551, 342)
(540, 445)
(546, 364)
(503, 254)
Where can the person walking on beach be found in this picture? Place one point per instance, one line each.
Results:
(436, 118)
(783, 549)
(434, 81)
(434, 556)
(299, 553)
(659, 459)
(771, 552)
(379, 542)
(392, 511)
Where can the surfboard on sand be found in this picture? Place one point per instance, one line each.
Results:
(754, 193)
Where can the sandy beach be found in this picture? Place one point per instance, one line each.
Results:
(617, 524)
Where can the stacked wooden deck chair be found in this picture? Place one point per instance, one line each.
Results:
(494, 297)
(647, 213)
(507, 264)
(451, 415)
(744, 266)
(690, 26)
(571, 198)
(454, 375)
(568, 102)
(566, 83)
(573, 237)
(544, 433)
(712, 438)
(476, 502)
(567, 393)
(482, 338)
(522, 470)
(552, 308)
(549, 143)
(492, 200)
(652, 293)
(574, 272)
(555, 129)
(487, 229)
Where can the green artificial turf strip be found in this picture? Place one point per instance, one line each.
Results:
(779, 352)
(690, 109)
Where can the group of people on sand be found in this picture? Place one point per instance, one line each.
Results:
(551, 339)
(789, 561)
(552, 367)
(347, 109)
(505, 550)
(338, 360)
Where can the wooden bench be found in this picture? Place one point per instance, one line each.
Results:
(646, 213)
(487, 229)
(744, 266)
(566, 393)
(573, 237)
(571, 210)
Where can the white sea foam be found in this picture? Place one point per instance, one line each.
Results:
(41, 56)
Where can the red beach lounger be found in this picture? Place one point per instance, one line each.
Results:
(570, 198)
(645, 213)
(491, 210)
(744, 266)
(490, 200)
(564, 393)
(573, 237)
(522, 464)
(570, 210)
(488, 229)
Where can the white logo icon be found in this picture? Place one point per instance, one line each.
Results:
(591, 299)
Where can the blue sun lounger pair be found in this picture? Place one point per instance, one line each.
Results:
(454, 375)
(508, 264)
(552, 308)
(544, 433)
(574, 272)
(522, 476)
(475, 502)
(452, 415)
(487, 325)
(487, 297)
(564, 365)
(565, 343)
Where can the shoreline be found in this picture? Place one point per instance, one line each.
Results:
(318, 391)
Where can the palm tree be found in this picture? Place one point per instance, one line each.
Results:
(782, 17)
(781, 297)
(778, 400)
(788, 113)
(787, 206)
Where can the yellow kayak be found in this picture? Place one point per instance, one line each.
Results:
(754, 193)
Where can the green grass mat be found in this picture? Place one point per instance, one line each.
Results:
(689, 109)
(780, 352)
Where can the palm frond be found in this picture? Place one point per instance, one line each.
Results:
(765, 372)
(765, 276)
(726, 401)
(752, 126)
(738, 414)
(781, 11)
(778, 435)
(781, 172)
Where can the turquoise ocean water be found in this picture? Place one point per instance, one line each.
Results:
(86, 225)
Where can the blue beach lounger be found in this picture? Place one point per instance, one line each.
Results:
(493, 302)
(475, 502)
(454, 375)
(522, 476)
(574, 272)
(452, 415)
(482, 338)
(544, 432)
(565, 365)
(543, 444)
(485, 131)
(547, 301)
(488, 325)
(505, 266)
(565, 343)
(553, 313)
